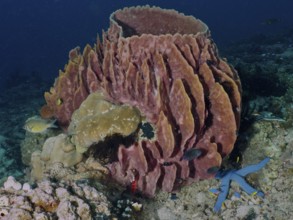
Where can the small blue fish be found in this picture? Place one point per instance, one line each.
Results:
(173, 196)
(213, 170)
(167, 164)
(191, 154)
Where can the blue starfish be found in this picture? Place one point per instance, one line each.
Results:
(238, 176)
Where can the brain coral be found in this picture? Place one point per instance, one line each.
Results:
(165, 64)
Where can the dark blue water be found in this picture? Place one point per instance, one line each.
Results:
(36, 35)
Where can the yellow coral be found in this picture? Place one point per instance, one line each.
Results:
(97, 119)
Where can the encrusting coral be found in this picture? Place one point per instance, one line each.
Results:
(166, 65)
(51, 200)
(97, 119)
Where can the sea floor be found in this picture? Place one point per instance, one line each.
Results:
(265, 66)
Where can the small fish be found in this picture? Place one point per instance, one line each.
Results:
(213, 170)
(267, 116)
(191, 154)
(166, 164)
(173, 196)
(36, 124)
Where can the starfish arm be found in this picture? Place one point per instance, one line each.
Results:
(245, 186)
(252, 168)
(224, 189)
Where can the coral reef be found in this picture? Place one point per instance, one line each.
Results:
(274, 138)
(195, 202)
(263, 138)
(51, 200)
(88, 169)
(172, 73)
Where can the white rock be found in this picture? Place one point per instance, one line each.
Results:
(21, 202)
(65, 210)
(46, 186)
(3, 212)
(41, 216)
(62, 193)
(11, 183)
(16, 213)
(26, 187)
(4, 201)
(17, 186)
(8, 183)
(39, 204)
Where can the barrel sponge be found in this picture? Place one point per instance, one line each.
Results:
(98, 118)
(166, 65)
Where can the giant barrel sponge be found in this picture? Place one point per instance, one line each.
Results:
(167, 66)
